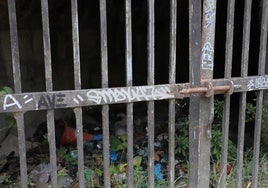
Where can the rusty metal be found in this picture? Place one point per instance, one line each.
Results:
(104, 81)
(49, 87)
(259, 99)
(130, 152)
(209, 90)
(243, 95)
(19, 117)
(172, 80)
(227, 75)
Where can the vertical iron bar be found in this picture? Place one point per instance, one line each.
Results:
(22, 149)
(208, 39)
(259, 102)
(194, 77)
(46, 44)
(49, 87)
(52, 147)
(201, 108)
(172, 80)
(77, 83)
(207, 104)
(105, 108)
(129, 82)
(17, 86)
(243, 96)
(150, 81)
(227, 98)
(14, 45)
(194, 41)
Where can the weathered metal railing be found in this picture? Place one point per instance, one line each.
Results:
(259, 99)
(104, 81)
(243, 95)
(49, 87)
(201, 90)
(227, 98)
(172, 80)
(17, 88)
(130, 152)
(19, 102)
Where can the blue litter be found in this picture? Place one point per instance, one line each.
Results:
(113, 155)
(97, 137)
(74, 154)
(157, 171)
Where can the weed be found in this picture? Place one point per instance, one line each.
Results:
(4, 180)
(182, 141)
(63, 154)
(232, 152)
(11, 122)
(5, 90)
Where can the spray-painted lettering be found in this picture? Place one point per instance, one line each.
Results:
(51, 101)
(209, 13)
(10, 101)
(207, 56)
(128, 94)
(258, 83)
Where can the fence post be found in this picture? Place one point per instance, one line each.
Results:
(201, 107)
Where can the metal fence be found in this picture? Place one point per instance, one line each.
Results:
(201, 90)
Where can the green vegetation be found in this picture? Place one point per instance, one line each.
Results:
(5, 90)
(11, 122)
(182, 147)
(232, 152)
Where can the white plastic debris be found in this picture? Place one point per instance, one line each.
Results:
(120, 126)
(163, 136)
(65, 181)
(40, 175)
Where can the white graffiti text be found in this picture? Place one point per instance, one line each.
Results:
(128, 94)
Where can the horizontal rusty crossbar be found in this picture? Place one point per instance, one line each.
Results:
(207, 89)
(217, 89)
(90, 97)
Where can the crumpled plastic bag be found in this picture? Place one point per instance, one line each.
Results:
(157, 171)
(40, 175)
(113, 155)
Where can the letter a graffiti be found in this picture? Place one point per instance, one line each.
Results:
(12, 102)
